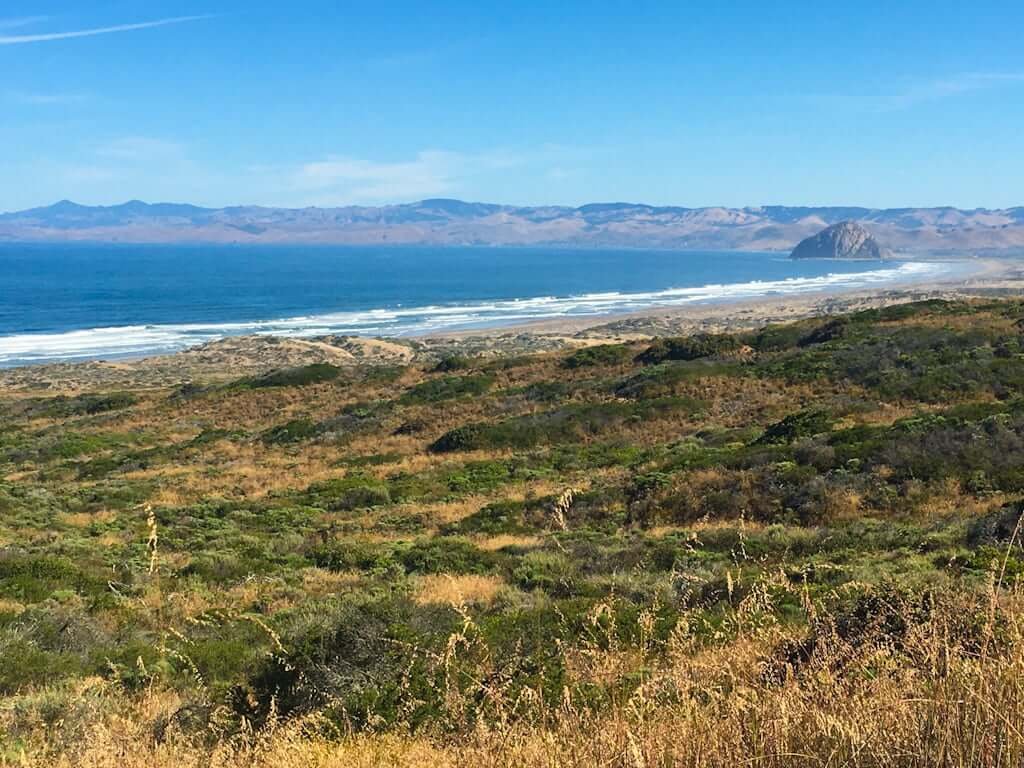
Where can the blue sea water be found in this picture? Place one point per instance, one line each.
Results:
(74, 302)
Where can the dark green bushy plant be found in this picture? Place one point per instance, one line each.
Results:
(597, 355)
(688, 347)
(295, 377)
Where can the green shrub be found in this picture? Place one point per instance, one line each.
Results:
(293, 431)
(23, 664)
(32, 578)
(354, 491)
(65, 444)
(363, 659)
(208, 436)
(451, 363)
(362, 497)
(496, 518)
(830, 331)
(663, 379)
(352, 556)
(446, 388)
(776, 338)
(998, 527)
(544, 391)
(79, 405)
(356, 419)
(295, 377)
(688, 347)
(446, 555)
(550, 572)
(469, 437)
(567, 424)
(926, 364)
(597, 355)
(481, 476)
(228, 567)
(797, 425)
(995, 560)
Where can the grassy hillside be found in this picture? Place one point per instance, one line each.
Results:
(796, 546)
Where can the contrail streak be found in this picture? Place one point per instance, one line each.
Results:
(40, 38)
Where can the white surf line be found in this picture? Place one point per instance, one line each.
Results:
(133, 340)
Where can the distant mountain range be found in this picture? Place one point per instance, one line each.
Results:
(453, 222)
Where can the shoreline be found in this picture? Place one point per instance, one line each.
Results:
(236, 356)
(989, 275)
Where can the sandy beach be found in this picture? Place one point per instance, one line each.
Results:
(988, 277)
(245, 355)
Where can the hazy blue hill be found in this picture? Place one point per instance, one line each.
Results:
(444, 221)
(789, 214)
(456, 208)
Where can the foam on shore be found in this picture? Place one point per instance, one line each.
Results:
(139, 340)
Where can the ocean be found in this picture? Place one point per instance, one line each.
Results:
(80, 302)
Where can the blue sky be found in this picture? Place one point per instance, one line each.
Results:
(223, 102)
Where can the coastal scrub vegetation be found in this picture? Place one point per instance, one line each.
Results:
(799, 545)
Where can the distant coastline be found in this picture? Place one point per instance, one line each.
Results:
(450, 308)
(228, 358)
(443, 222)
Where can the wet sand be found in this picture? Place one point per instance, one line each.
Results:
(989, 277)
(248, 355)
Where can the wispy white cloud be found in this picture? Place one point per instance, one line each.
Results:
(160, 168)
(126, 163)
(953, 85)
(77, 174)
(46, 99)
(339, 180)
(23, 21)
(47, 36)
(139, 148)
(905, 93)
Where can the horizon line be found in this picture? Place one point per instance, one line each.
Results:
(67, 201)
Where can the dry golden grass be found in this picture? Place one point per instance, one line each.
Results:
(169, 495)
(110, 540)
(240, 470)
(962, 322)
(319, 581)
(494, 543)
(11, 606)
(711, 695)
(85, 519)
(457, 590)
(931, 702)
(453, 511)
(413, 463)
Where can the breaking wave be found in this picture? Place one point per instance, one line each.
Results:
(139, 340)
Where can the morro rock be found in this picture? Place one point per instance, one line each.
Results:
(845, 240)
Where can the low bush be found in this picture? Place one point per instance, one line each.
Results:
(452, 363)
(354, 491)
(292, 431)
(446, 555)
(688, 348)
(446, 388)
(797, 425)
(352, 556)
(567, 424)
(597, 355)
(359, 658)
(78, 405)
(550, 572)
(664, 379)
(500, 517)
(295, 377)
